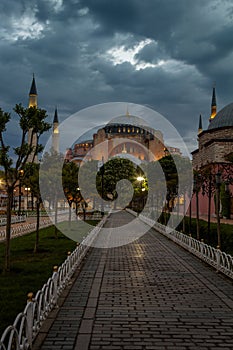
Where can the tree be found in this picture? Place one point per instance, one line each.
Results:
(51, 181)
(229, 157)
(110, 174)
(13, 161)
(70, 185)
(32, 181)
(225, 199)
(170, 171)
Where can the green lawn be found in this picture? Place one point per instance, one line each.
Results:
(29, 271)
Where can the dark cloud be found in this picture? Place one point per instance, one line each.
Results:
(88, 52)
(152, 53)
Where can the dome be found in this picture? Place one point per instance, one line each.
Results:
(128, 119)
(223, 118)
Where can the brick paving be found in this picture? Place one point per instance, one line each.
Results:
(150, 294)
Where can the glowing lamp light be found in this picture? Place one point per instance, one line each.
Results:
(140, 178)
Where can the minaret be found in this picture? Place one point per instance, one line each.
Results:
(200, 125)
(32, 139)
(33, 94)
(55, 135)
(127, 111)
(213, 106)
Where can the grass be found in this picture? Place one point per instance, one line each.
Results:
(29, 271)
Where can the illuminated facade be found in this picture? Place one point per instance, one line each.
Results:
(124, 136)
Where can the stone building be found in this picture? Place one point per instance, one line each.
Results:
(125, 135)
(215, 145)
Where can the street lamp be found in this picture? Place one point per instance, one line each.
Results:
(102, 187)
(77, 201)
(166, 152)
(140, 179)
(27, 189)
(218, 184)
(208, 188)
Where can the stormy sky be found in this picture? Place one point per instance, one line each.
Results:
(163, 54)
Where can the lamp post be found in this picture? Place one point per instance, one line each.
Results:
(218, 184)
(140, 179)
(166, 152)
(208, 188)
(27, 189)
(77, 201)
(178, 202)
(102, 187)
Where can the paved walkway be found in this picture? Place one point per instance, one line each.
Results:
(150, 294)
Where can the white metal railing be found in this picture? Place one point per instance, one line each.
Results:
(47, 213)
(24, 229)
(14, 219)
(27, 324)
(215, 257)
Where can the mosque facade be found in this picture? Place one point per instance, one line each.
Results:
(212, 160)
(123, 136)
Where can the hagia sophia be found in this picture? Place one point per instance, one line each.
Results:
(124, 135)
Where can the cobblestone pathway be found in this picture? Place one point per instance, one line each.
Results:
(150, 294)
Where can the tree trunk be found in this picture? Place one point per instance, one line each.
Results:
(10, 192)
(55, 219)
(76, 209)
(70, 214)
(184, 214)
(37, 225)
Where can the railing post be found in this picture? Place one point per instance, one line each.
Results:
(55, 280)
(69, 262)
(218, 252)
(30, 318)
